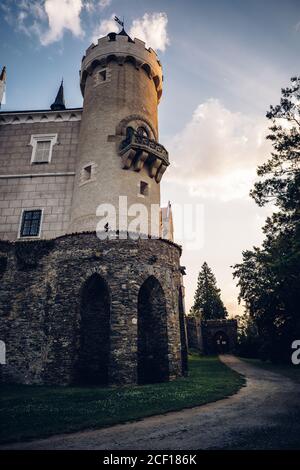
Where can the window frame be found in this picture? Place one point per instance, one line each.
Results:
(82, 175)
(35, 138)
(146, 188)
(25, 209)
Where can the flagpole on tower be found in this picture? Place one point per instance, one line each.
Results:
(117, 20)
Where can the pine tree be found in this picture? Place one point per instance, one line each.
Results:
(207, 300)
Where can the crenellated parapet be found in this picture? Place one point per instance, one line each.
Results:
(122, 49)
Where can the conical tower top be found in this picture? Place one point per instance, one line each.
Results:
(3, 74)
(59, 103)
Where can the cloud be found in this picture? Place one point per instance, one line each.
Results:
(104, 3)
(217, 152)
(151, 28)
(92, 5)
(62, 15)
(48, 20)
(106, 26)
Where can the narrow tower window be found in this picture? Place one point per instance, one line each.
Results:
(144, 188)
(42, 151)
(87, 173)
(102, 75)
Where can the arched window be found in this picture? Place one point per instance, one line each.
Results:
(142, 131)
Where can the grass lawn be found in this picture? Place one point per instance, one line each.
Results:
(28, 412)
(289, 370)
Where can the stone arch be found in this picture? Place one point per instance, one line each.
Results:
(221, 342)
(156, 81)
(135, 119)
(147, 69)
(131, 60)
(152, 351)
(94, 348)
(111, 58)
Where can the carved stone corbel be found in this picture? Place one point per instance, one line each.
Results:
(141, 158)
(127, 158)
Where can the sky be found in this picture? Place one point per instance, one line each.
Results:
(224, 63)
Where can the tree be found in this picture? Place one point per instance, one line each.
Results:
(248, 343)
(207, 301)
(281, 172)
(269, 277)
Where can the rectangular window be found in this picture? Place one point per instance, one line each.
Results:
(42, 151)
(144, 188)
(42, 147)
(102, 74)
(87, 173)
(31, 223)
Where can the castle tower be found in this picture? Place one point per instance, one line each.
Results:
(118, 151)
(98, 311)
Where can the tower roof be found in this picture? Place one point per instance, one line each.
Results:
(59, 103)
(3, 74)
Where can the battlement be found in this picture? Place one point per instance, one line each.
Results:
(122, 49)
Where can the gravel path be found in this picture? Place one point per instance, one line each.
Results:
(264, 414)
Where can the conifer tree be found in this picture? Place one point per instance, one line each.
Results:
(207, 300)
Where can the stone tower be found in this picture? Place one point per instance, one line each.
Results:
(119, 153)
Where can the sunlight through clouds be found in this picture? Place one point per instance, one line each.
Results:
(152, 29)
(222, 148)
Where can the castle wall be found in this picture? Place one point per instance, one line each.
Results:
(40, 302)
(47, 186)
(193, 332)
(211, 328)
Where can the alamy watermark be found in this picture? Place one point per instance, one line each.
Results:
(296, 354)
(139, 220)
(2, 353)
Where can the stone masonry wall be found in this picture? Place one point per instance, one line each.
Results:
(52, 193)
(40, 299)
(210, 328)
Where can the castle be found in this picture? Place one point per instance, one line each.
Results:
(81, 304)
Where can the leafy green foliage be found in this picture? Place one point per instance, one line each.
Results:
(281, 178)
(269, 277)
(207, 301)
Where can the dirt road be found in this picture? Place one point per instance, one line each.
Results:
(264, 414)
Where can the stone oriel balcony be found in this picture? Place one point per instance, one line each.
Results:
(136, 150)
